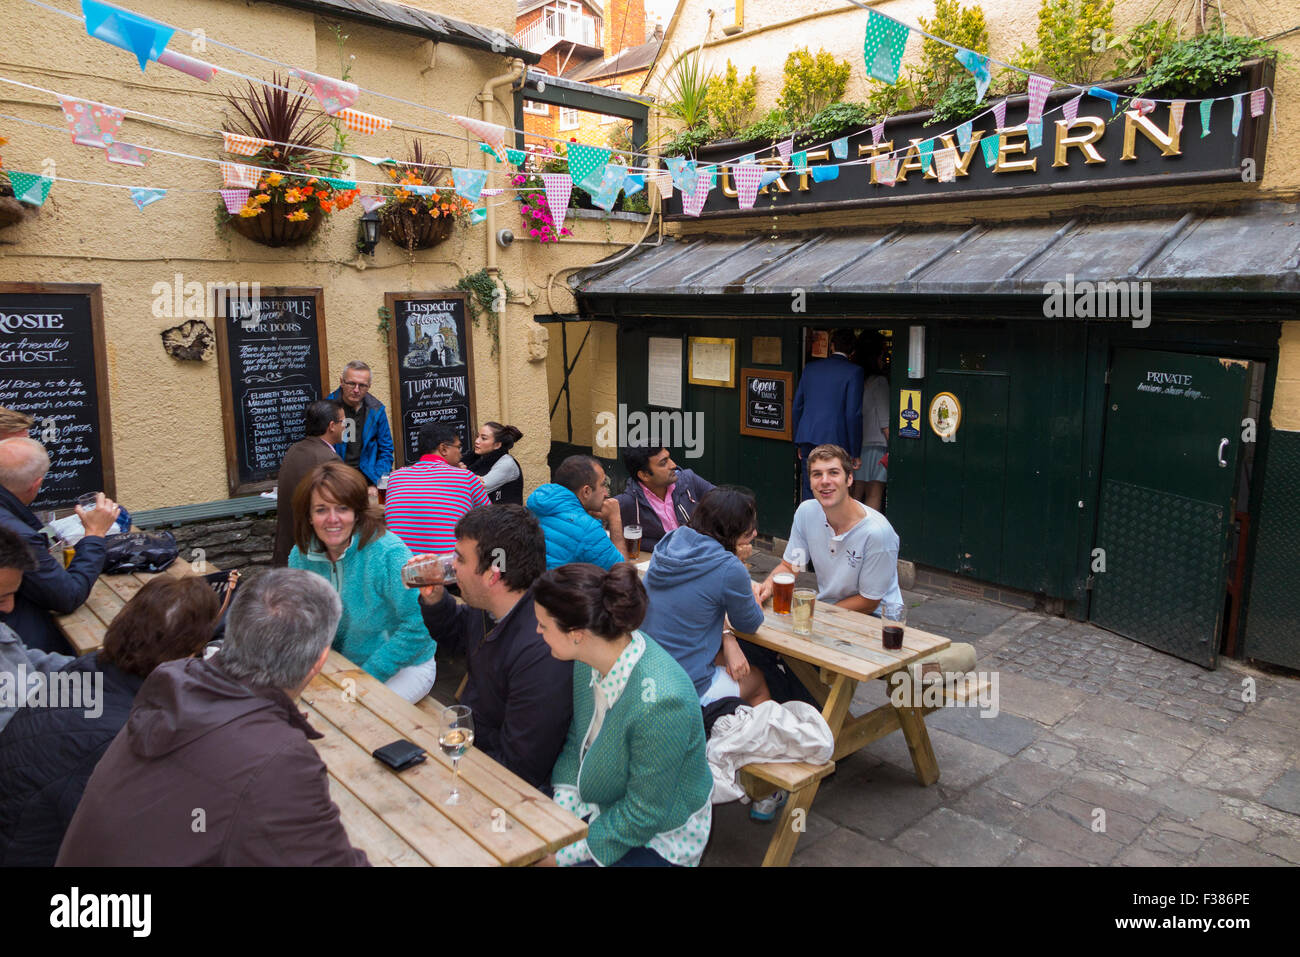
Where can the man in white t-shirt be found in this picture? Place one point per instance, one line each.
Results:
(853, 548)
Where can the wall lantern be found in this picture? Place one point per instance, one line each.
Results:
(368, 234)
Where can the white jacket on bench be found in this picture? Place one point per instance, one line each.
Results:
(769, 733)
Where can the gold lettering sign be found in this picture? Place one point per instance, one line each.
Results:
(1168, 142)
(814, 155)
(1007, 147)
(864, 149)
(1083, 142)
(779, 182)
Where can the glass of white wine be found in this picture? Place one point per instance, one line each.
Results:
(455, 737)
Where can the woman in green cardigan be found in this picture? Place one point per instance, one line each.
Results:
(633, 764)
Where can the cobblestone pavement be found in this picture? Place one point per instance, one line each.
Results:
(1185, 772)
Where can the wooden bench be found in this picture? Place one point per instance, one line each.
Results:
(801, 779)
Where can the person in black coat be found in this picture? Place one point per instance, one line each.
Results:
(492, 462)
(47, 754)
(651, 471)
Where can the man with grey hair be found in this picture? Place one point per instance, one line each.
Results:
(51, 589)
(215, 766)
(367, 440)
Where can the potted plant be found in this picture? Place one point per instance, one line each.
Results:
(292, 199)
(419, 214)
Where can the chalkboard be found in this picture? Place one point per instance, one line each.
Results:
(432, 361)
(271, 350)
(766, 396)
(52, 367)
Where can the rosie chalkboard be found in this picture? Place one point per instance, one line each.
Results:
(52, 368)
(765, 399)
(432, 362)
(271, 349)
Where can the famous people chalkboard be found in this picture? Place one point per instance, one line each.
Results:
(52, 368)
(271, 348)
(432, 367)
(765, 400)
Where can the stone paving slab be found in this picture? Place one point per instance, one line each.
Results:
(948, 839)
(1040, 701)
(1284, 793)
(1004, 732)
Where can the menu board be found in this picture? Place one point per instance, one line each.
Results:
(765, 400)
(52, 368)
(432, 362)
(271, 349)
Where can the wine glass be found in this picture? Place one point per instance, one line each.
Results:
(455, 737)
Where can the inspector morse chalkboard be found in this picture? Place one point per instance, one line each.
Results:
(432, 362)
(52, 368)
(271, 351)
(765, 400)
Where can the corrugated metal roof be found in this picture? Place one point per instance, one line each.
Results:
(1251, 249)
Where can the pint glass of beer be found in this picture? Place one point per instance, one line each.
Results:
(805, 599)
(433, 570)
(632, 535)
(782, 592)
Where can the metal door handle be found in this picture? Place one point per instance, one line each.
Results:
(1223, 444)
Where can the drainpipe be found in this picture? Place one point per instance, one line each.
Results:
(486, 98)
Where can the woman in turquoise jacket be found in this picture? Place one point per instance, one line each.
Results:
(340, 536)
(633, 764)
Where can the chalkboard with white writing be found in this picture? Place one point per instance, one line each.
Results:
(271, 348)
(52, 368)
(432, 362)
(765, 399)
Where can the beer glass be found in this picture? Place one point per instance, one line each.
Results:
(632, 535)
(805, 599)
(88, 501)
(425, 571)
(893, 616)
(782, 592)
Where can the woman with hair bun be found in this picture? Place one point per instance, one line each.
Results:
(492, 462)
(633, 763)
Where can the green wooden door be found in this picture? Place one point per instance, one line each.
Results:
(1169, 462)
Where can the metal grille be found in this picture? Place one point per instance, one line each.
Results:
(1273, 616)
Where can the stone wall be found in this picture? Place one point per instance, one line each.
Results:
(243, 543)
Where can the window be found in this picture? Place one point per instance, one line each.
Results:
(531, 106)
(568, 118)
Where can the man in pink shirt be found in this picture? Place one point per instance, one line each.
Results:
(425, 500)
(658, 496)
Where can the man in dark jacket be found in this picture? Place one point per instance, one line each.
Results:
(323, 427)
(50, 589)
(828, 404)
(659, 496)
(215, 765)
(367, 444)
(522, 698)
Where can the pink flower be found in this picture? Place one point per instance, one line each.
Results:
(532, 232)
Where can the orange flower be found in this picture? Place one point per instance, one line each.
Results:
(248, 212)
(259, 199)
(434, 213)
(307, 190)
(292, 196)
(274, 179)
(327, 206)
(297, 216)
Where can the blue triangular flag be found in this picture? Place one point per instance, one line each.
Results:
(883, 46)
(1236, 113)
(749, 158)
(143, 196)
(800, 161)
(821, 174)
(515, 157)
(1035, 134)
(634, 183)
(30, 188)
(136, 34)
(769, 177)
(1206, 106)
(963, 135)
(978, 65)
(682, 172)
(478, 215)
(1107, 95)
(925, 148)
(840, 148)
(990, 147)
(469, 182)
(418, 189)
(611, 181)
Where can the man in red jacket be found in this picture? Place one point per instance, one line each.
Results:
(214, 766)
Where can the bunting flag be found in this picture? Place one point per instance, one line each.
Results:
(332, 94)
(376, 160)
(748, 178)
(634, 183)
(886, 170)
(747, 158)
(469, 182)
(1000, 113)
(559, 187)
(841, 148)
(91, 124)
(494, 135)
(419, 189)
(342, 185)
(516, 158)
(924, 149)
(143, 196)
(1039, 87)
(1143, 105)
(585, 160)
(990, 147)
(769, 177)
(492, 192)
(693, 202)
(978, 65)
(478, 215)
(964, 133)
(662, 180)
(30, 188)
(372, 203)
(364, 122)
(199, 69)
(821, 174)
(242, 145)
(125, 154)
(945, 164)
(877, 133)
(785, 148)
(235, 200)
(136, 34)
(883, 46)
(233, 174)
(1176, 109)
(1107, 95)
(605, 195)
(1070, 109)
(1236, 114)
(799, 161)
(1257, 102)
(1206, 105)
(1035, 131)
(683, 174)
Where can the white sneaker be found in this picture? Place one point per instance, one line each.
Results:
(766, 809)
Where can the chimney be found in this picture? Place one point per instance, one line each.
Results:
(625, 22)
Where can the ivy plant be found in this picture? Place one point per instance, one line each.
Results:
(483, 299)
(1193, 66)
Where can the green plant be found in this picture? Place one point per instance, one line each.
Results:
(686, 142)
(957, 103)
(964, 26)
(685, 91)
(1141, 47)
(773, 126)
(885, 99)
(1195, 65)
(385, 322)
(1071, 37)
(730, 101)
(837, 117)
(482, 291)
(345, 73)
(811, 82)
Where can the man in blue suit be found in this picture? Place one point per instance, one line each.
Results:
(828, 405)
(369, 442)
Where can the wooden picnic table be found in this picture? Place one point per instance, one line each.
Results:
(399, 818)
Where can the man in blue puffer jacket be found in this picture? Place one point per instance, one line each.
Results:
(369, 448)
(567, 509)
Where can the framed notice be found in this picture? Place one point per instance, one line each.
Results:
(52, 367)
(664, 375)
(766, 398)
(272, 361)
(432, 361)
(713, 362)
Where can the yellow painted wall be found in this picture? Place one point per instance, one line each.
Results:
(167, 436)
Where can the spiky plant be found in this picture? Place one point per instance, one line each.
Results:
(272, 113)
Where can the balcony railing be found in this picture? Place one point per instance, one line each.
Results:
(558, 26)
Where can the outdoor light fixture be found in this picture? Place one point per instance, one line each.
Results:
(369, 233)
(916, 352)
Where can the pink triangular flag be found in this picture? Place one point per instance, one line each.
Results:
(877, 133)
(1000, 113)
(236, 199)
(1143, 105)
(1257, 102)
(945, 163)
(333, 94)
(125, 154)
(1176, 110)
(372, 203)
(242, 145)
(91, 124)
(235, 174)
(559, 186)
(490, 133)
(747, 177)
(886, 170)
(663, 181)
(199, 69)
(1070, 109)
(785, 148)
(1039, 86)
(692, 203)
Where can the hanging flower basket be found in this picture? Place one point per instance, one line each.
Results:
(420, 213)
(272, 227)
(411, 227)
